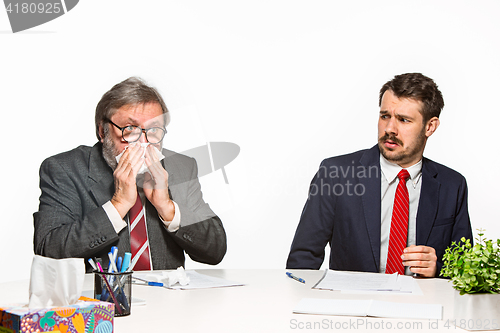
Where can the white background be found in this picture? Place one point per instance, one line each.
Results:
(290, 82)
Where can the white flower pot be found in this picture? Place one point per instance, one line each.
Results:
(477, 312)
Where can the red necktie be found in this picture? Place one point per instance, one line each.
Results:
(399, 226)
(139, 243)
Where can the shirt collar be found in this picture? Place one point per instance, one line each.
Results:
(391, 170)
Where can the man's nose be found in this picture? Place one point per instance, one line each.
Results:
(391, 127)
(143, 138)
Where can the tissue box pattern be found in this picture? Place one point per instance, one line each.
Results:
(85, 317)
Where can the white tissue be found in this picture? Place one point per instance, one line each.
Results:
(55, 282)
(177, 276)
(144, 167)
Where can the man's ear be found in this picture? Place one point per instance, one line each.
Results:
(431, 126)
(101, 132)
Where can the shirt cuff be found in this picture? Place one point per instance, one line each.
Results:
(113, 215)
(173, 225)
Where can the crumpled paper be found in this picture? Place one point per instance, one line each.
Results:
(171, 277)
(55, 282)
(144, 167)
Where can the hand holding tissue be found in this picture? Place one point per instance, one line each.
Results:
(144, 167)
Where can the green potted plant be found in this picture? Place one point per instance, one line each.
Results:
(474, 271)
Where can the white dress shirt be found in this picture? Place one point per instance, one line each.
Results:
(389, 182)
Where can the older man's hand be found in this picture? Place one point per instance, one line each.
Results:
(156, 186)
(125, 179)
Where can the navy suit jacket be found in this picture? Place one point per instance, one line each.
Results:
(343, 209)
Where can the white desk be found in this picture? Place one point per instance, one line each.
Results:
(264, 304)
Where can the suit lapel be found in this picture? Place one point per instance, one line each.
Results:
(428, 202)
(371, 199)
(101, 180)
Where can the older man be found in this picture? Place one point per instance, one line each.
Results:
(388, 207)
(127, 191)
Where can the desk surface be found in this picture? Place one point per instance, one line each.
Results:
(264, 304)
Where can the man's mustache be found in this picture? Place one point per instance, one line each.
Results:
(390, 138)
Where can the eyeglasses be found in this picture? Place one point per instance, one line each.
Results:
(133, 133)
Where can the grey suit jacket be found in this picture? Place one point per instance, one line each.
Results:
(71, 222)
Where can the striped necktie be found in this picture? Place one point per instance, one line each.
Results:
(139, 244)
(399, 226)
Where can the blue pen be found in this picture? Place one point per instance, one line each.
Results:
(119, 263)
(290, 275)
(110, 290)
(126, 261)
(149, 283)
(114, 251)
(118, 287)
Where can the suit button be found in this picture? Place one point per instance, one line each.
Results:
(103, 239)
(91, 245)
(187, 237)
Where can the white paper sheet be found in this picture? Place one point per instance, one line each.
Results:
(356, 282)
(407, 283)
(371, 308)
(196, 280)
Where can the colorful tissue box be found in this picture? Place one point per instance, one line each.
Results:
(87, 316)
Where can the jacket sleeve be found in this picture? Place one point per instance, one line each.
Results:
(315, 226)
(63, 228)
(201, 233)
(461, 226)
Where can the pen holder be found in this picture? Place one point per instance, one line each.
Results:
(115, 288)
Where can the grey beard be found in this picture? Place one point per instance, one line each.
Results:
(109, 152)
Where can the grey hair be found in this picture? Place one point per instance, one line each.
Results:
(132, 91)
